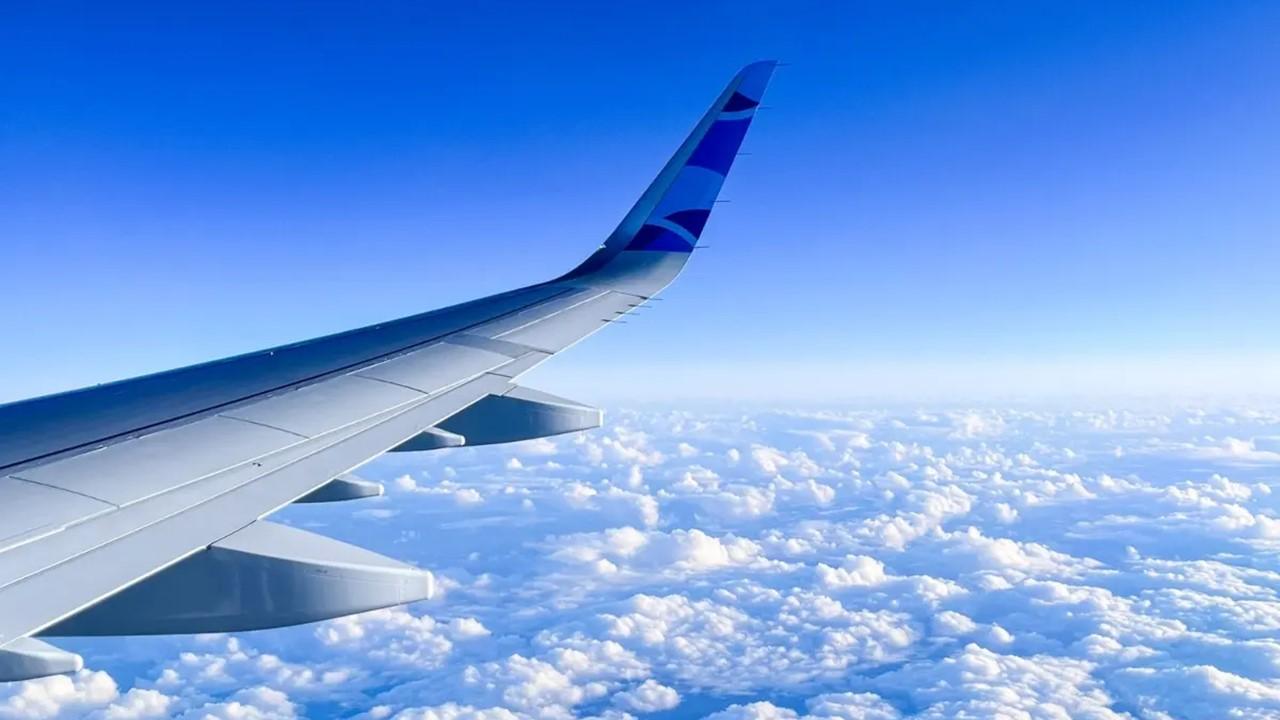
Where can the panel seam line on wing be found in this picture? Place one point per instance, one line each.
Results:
(262, 424)
(66, 490)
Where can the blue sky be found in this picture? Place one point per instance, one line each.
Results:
(1017, 196)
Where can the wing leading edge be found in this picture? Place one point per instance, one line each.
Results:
(120, 493)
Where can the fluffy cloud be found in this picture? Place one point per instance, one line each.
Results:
(635, 551)
(880, 565)
(857, 570)
(91, 694)
(451, 711)
(842, 706)
(648, 696)
(398, 637)
(256, 703)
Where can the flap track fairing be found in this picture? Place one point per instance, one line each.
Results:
(266, 575)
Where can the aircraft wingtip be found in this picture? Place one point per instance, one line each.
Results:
(753, 78)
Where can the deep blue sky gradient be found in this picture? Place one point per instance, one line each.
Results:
(939, 185)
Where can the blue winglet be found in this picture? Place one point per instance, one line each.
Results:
(670, 215)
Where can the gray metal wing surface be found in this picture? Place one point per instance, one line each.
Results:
(138, 506)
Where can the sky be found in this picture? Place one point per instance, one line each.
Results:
(970, 409)
(951, 200)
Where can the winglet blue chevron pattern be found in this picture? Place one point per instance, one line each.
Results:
(676, 222)
(672, 212)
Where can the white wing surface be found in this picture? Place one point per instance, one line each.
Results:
(137, 507)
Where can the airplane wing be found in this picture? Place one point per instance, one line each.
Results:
(137, 507)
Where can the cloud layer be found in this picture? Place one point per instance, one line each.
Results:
(805, 564)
